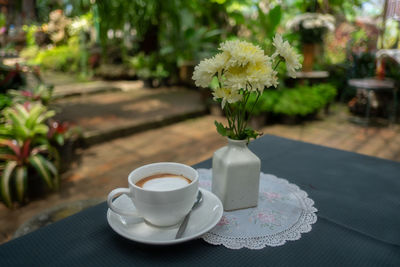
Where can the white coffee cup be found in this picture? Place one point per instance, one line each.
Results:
(160, 208)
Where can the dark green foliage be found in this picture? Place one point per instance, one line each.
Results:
(5, 101)
(247, 134)
(363, 65)
(11, 78)
(174, 32)
(392, 70)
(311, 36)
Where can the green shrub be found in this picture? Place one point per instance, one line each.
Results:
(41, 93)
(148, 66)
(265, 103)
(60, 58)
(302, 100)
(29, 52)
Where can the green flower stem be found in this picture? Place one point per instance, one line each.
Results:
(252, 108)
(228, 116)
(242, 114)
(232, 115)
(236, 115)
(277, 63)
(234, 121)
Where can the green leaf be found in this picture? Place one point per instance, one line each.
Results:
(22, 112)
(9, 144)
(52, 168)
(220, 128)
(37, 162)
(251, 134)
(21, 132)
(7, 155)
(40, 129)
(59, 139)
(274, 16)
(41, 140)
(14, 117)
(5, 183)
(45, 116)
(5, 130)
(21, 177)
(34, 114)
(54, 156)
(39, 149)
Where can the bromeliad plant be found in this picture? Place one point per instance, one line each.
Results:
(42, 93)
(240, 70)
(24, 148)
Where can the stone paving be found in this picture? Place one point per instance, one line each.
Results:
(105, 166)
(337, 131)
(104, 116)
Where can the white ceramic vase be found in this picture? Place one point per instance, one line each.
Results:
(236, 175)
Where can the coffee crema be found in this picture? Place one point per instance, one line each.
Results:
(163, 182)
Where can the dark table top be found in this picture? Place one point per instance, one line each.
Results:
(358, 201)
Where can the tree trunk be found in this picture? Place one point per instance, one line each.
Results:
(28, 10)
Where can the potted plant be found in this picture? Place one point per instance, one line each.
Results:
(311, 27)
(25, 151)
(241, 69)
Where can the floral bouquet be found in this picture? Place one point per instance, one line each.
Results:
(242, 69)
(312, 26)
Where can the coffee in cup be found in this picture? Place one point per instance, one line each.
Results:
(163, 193)
(163, 182)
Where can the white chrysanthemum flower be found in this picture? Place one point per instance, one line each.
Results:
(284, 50)
(205, 71)
(227, 95)
(220, 60)
(241, 53)
(79, 24)
(312, 21)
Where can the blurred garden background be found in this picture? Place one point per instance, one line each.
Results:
(91, 89)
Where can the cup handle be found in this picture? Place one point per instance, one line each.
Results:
(116, 193)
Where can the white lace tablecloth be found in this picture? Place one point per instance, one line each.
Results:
(283, 213)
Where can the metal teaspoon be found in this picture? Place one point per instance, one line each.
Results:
(183, 225)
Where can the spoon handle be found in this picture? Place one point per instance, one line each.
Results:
(183, 225)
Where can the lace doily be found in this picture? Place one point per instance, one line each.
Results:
(283, 213)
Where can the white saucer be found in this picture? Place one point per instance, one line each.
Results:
(202, 220)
